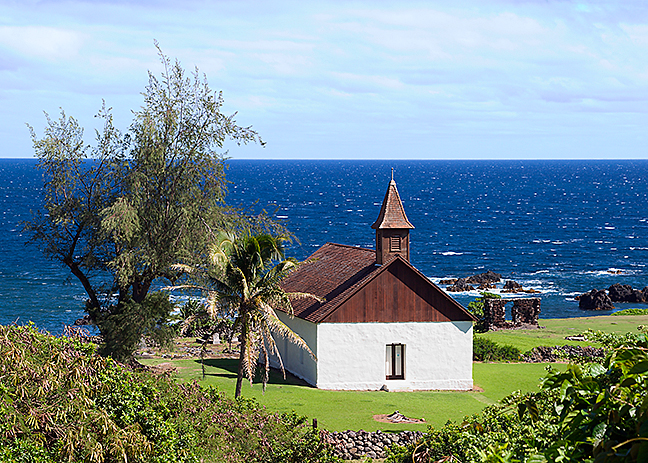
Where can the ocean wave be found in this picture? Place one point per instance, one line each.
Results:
(608, 272)
(450, 253)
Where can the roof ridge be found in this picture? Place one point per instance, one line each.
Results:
(349, 246)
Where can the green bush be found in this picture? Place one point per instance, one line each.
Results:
(485, 350)
(59, 401)
(596, 413)
(632, 312)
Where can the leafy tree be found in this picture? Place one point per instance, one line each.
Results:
(243, 276)
(120, 212)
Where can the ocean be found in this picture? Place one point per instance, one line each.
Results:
(559, 227)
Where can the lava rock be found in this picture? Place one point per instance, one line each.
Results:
(86, 320)
(512, 287)
(483, 278)
(595, 300)
(561, 353)
(460, 285)
(625, 293)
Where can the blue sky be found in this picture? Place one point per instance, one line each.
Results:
(351, 80)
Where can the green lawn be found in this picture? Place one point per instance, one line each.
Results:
(341, 410)
(555, 330)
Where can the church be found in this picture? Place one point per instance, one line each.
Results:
(381, 323)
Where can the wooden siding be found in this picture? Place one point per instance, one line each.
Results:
(398, 294)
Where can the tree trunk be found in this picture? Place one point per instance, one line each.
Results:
(140, 290)
(76, 271)
(239, 379)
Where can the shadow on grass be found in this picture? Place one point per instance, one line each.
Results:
(228, 368)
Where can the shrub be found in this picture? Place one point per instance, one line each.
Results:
(632, 312)
(485, 350)
(596, 413)
(59, 401)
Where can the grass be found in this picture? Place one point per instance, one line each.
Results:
(341, 410)
(555, 330)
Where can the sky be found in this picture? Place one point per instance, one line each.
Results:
(330, 79)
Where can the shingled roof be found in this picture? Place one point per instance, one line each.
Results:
(336, 272)
(328, 273)
(392, 213)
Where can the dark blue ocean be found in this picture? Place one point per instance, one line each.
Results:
(560, 227)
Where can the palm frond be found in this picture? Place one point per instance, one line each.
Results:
(279, 327)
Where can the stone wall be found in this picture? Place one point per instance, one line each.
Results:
(494, 313)
(354, 445)
(525, 311)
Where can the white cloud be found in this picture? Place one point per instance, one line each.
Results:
(358, 71)
(41, 42)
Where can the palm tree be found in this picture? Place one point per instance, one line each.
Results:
(243, 276)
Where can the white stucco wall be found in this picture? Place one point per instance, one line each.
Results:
(438, 355)
(295, 359)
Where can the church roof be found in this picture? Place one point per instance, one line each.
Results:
(328, 273)
(392, 213)
(336, 272)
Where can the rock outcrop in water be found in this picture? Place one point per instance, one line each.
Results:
(602, 300)
(485, 280)
(460, 285)
(595, 300)
(487, 277)
(512, 287)
(625, 293)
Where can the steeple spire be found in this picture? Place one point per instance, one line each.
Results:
(392, 227)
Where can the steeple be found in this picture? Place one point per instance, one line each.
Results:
(392, 227)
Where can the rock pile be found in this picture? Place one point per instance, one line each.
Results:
(558, 353)
(354, 445)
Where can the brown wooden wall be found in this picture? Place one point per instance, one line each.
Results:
(398, 295)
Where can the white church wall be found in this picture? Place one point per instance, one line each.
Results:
(438, 355)
(295, 359)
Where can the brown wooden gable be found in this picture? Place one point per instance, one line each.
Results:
(357, 290)
(397, 293)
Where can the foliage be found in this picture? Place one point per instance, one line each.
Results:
(592, 413)
(121, 212)
(196, 320)
(485, 350)
(61, 402)
(631, 312)
(476, 307)
(243, 278)
(124, 326)
(610, 341)
(479, 436)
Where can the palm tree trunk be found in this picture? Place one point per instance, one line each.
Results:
(239, 379)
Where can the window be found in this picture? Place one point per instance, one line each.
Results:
(395, 361)
(394, 244)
